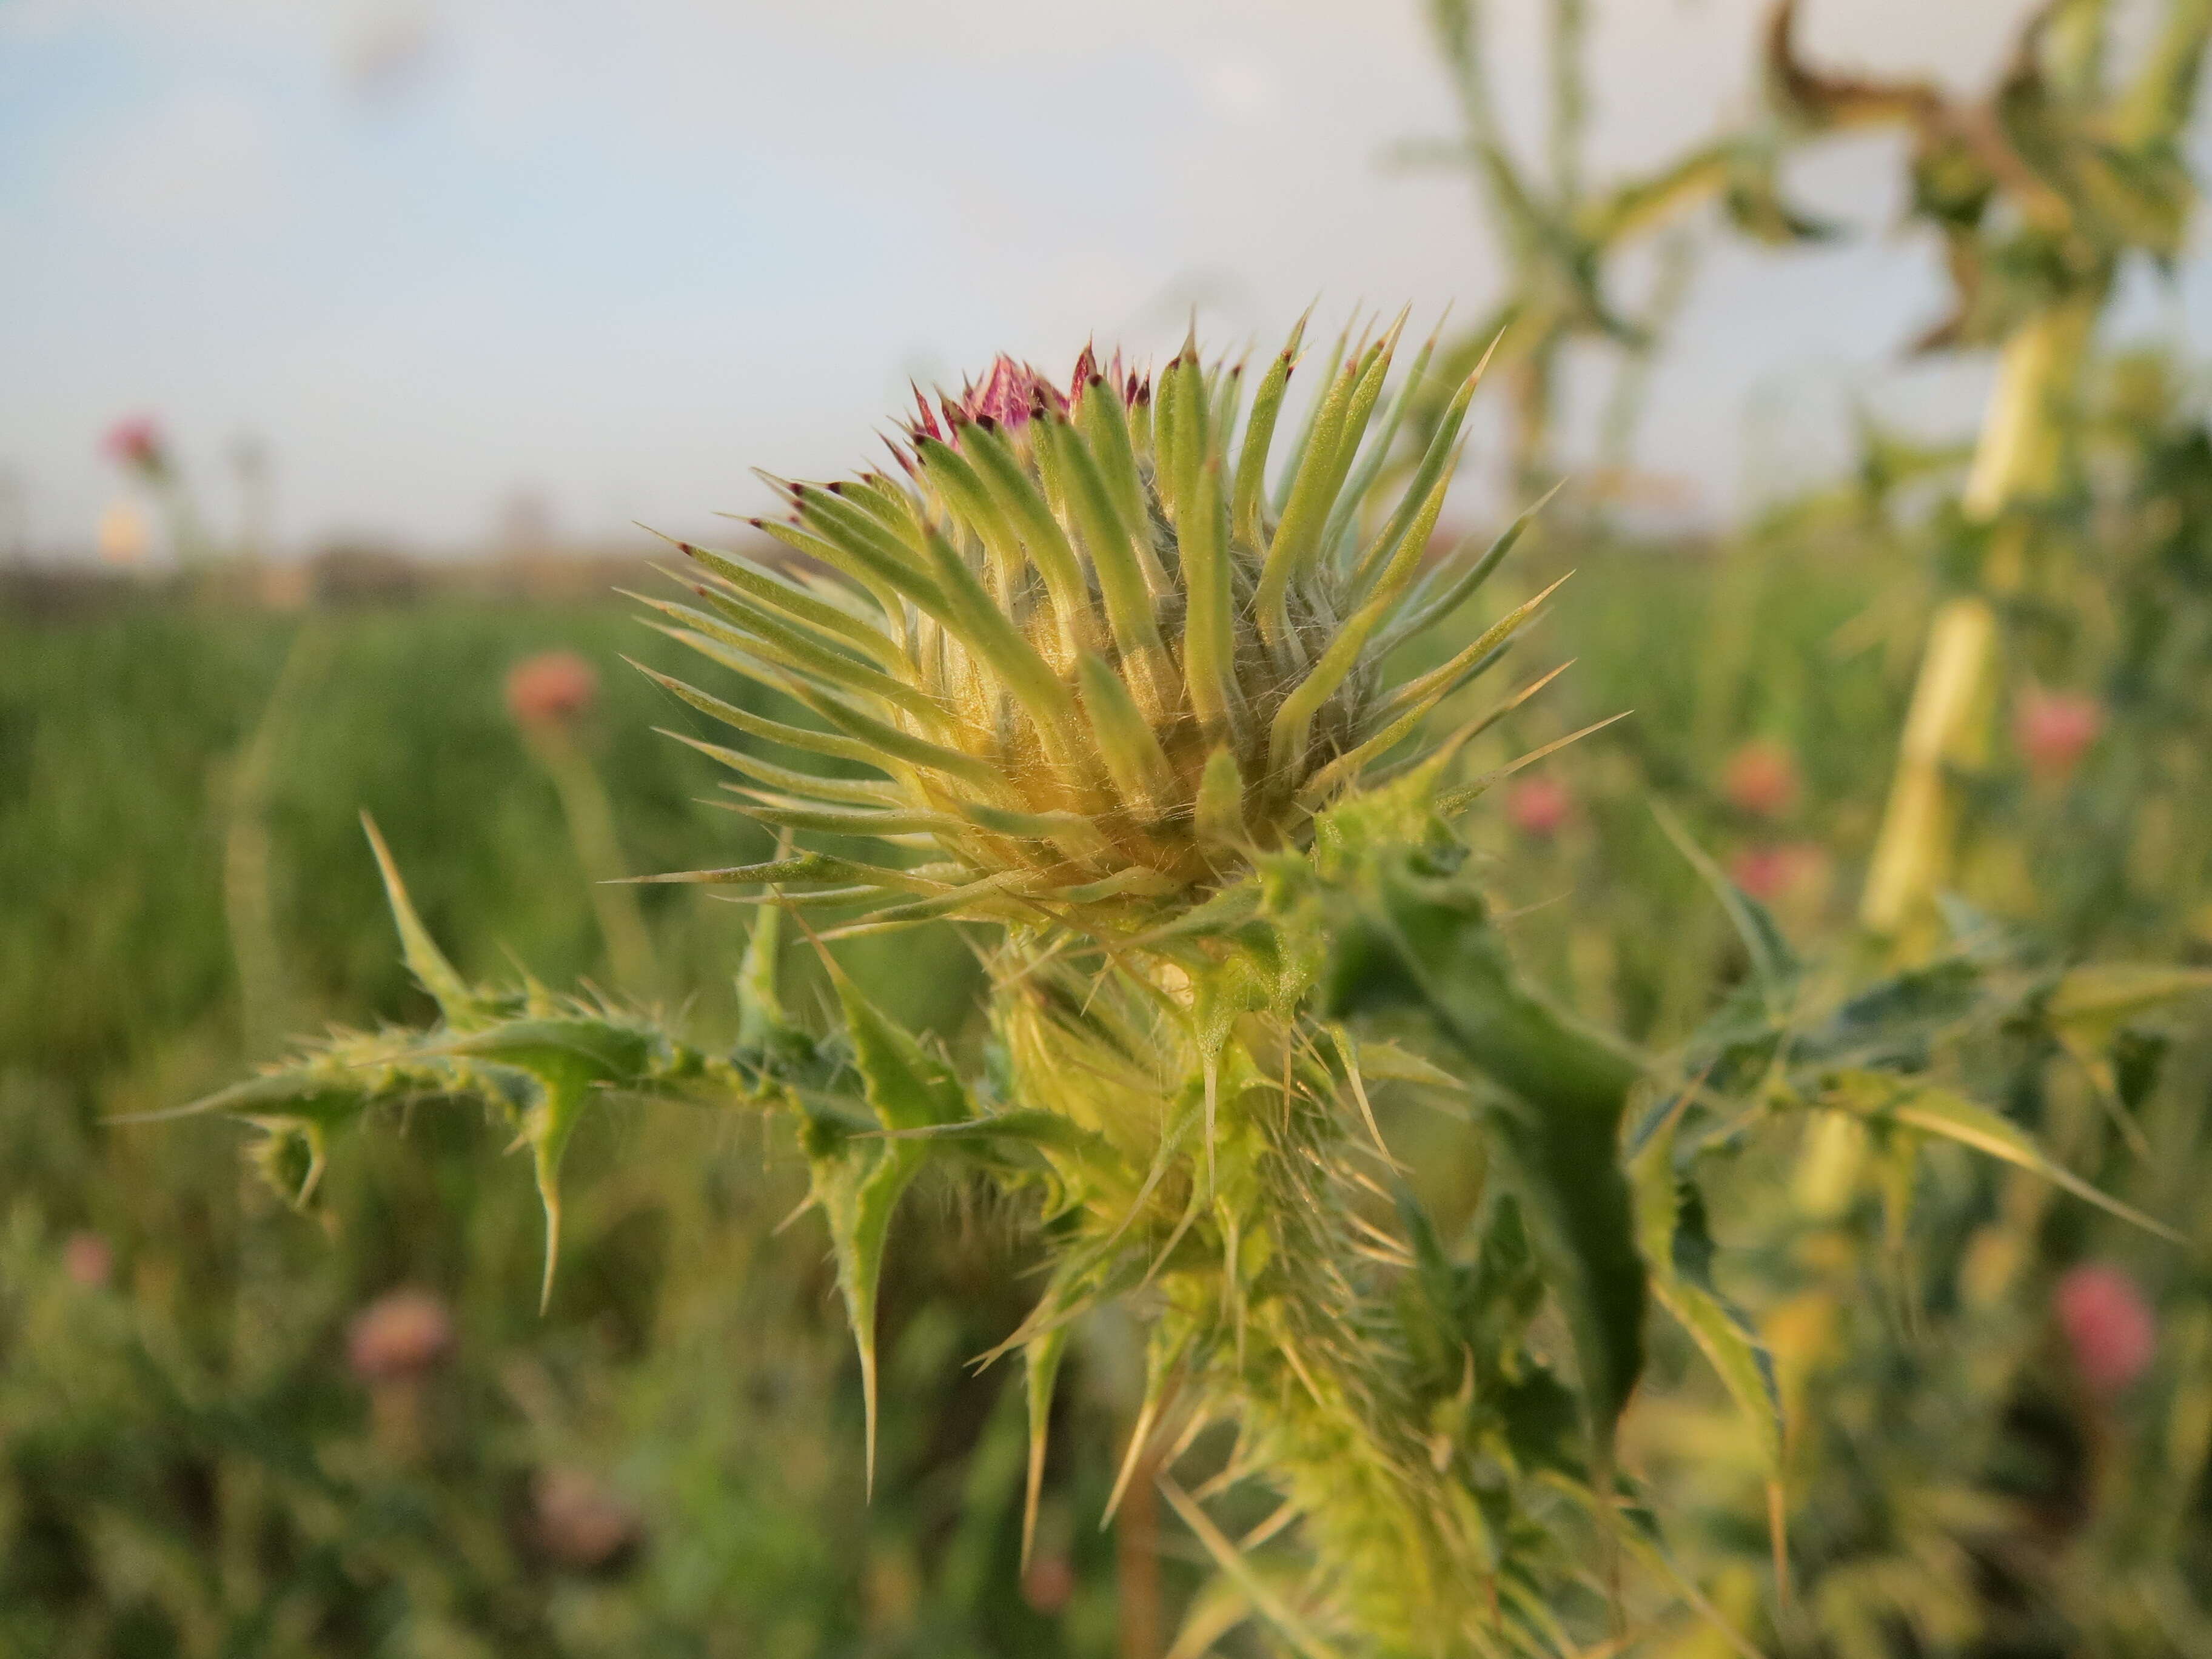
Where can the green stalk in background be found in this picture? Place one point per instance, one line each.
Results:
(2040, 192)
(1559, 235)
(550, 695)
(249, 899)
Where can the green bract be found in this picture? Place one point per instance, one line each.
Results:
(1094, 660)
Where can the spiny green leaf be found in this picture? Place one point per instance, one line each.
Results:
(858, 1185)
(760, 1000)
(2095, 1000)
(1420, 937)
(1774, 966)
(571, 1062)
(1913, 1105)
(858, 1182)
(1040, 1360)
(457, 1001)
(1294, 1630)
(907, 1087)
(1678, 1248)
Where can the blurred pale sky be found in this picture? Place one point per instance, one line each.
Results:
(440, 253)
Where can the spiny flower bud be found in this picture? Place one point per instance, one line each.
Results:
(1095, 659)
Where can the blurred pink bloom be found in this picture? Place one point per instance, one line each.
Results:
(2107, 1324)
(1538, 807)
(552, 689)
(581, 1524)
(1768, 872)
(1049, 1585)
(136, 441)
(401, 1333)
(88, 1259)
(1762, 779)
(2054, 729)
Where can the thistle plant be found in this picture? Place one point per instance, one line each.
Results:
(1123, 679)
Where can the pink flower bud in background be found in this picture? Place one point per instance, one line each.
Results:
(1762, 779)
(1049, 1585)
(2107, 1324)
(552, 689)
(135, 442)
(581, 1524)
(2054, 729)
(86, 1259)
(1538, 807)
(402, 1334)
(1770, 872)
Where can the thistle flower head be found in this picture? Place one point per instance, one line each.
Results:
(1100, 640)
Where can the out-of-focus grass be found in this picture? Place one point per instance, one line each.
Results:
(189, 1465)
(118, 736)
